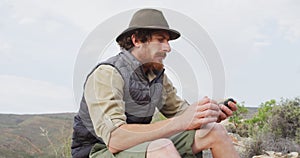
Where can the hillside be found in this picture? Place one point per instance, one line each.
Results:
(251, 112)
(43, 136)
(47, 135)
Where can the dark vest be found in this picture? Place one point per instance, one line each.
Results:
(140, 96)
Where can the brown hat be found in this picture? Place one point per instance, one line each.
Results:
(149, 19)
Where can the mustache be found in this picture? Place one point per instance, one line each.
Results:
(161, 54)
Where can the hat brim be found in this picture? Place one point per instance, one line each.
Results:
(173, 33)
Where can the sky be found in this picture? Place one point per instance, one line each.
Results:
(258, 45)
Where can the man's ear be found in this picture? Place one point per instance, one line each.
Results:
(135, 41)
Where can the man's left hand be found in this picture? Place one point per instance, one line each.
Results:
(226, 111)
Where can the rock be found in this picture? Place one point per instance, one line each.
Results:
(272, 154)
(278, 154)
(261, 156)
(293, 155)
(235, 137)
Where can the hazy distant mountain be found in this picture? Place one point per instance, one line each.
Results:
(46, 135)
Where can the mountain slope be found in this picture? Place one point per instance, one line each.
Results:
(47, 135)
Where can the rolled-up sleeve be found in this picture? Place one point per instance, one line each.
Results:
(104, 96)
(172, 103)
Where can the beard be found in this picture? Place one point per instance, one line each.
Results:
(153, 66)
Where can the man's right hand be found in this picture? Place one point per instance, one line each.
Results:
(198, 114)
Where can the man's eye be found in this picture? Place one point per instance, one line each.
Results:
(161, 40)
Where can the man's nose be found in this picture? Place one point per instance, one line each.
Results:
(166, 47)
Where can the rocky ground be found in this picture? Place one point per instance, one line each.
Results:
(240, 144)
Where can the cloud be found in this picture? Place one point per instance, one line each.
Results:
(261, 40)
(85, 15)
(290, 28)
(26, 21)
(25, 95)
(88, 15)
(47, 34)
(24, 12)
(262, 44)
(5, 47)
(52, 26)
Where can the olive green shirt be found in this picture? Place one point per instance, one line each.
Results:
(104, 96)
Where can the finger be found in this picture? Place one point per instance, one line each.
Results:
(222, 116)
(225, 110)
(232, 106)
(205, 100)
(204, 107)
(208, 113)
(208, 106)
(207, 120)
(213, 101)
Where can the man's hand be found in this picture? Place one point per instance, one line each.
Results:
(200, 113)
(227, 111)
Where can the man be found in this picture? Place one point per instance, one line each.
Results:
(122, 93)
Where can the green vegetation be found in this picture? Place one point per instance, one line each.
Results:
(275, 127)
(238, 116)
(237, 119)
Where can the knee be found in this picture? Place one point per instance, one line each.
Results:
(216, 136)
(215, 133)
(219, 133)
(161, 144)
(218, 128)
(162, 148)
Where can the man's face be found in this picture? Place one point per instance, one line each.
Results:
(156, 49)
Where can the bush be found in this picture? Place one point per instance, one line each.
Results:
(237, 119)
(275, 127)
(254, 147)
(285, 119)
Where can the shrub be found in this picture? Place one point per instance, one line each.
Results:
(237, 119)
(238, 115)
(254, 146)
(260, 121)
(285, 119)
(274, 127)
